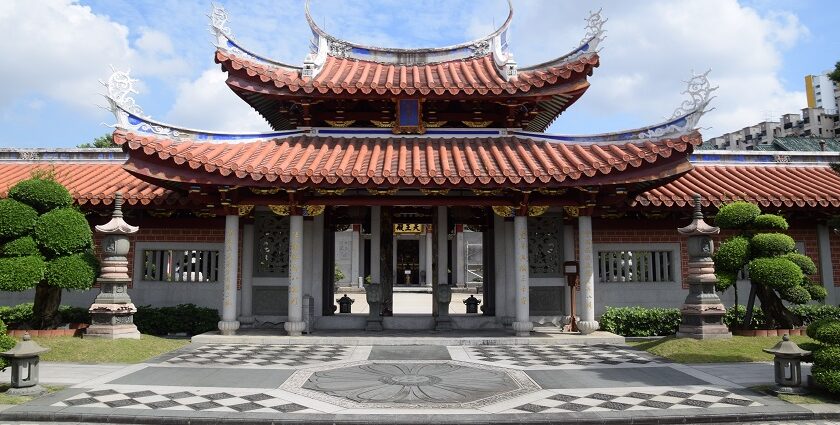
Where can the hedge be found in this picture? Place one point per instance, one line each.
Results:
(639, 321)
(777, 273)
(42, 194)
(736, 215)
(21, 314)
(772, 244)
(6, 343)
(758, 320)
(827, 377)
(183, 318)
(63, 231)
(16, 218)
(827, 332)
(21, 273)
(732, 255)
(77, 271)
(770, 222)
(812, 312)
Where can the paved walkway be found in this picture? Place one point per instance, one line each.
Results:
(259, 383)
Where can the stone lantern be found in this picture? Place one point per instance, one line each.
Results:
(344, 304)
(702, 311)
(24, 359)
(787, 366)
(472, 304)
(443, 296)
(112, 312)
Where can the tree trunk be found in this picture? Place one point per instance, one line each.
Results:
(775, 311)
(750, 305)
(45, 310)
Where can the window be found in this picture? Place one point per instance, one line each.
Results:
(271, 245)
(654, 263)
(180, 265)
(545, 246)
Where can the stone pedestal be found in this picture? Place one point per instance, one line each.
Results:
(373, 295)
(443, 297)
(702, 311)
(112, 313)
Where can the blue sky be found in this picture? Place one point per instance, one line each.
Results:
(57, 50)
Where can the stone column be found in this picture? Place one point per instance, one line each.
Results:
(246, 315)
(499, 265)
(460, 260)
(354, 255)
(510, 278)
(375, 227)
(826, 267)
(228, 325)
(568, 255)
(295, 325)
(441, 228)
(702, 312)
(586, 268)
(523, 324)
(112, 312)
(429, 255)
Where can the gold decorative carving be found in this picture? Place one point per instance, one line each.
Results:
(331, 192)
(383, 124)
(161, 213)
(477, 124)
(537, 210)
(572, 211)
(434, 192)
(552, 192)
(382, 192)
(204, 214)
(408, 228)
(434, 124)
(487, 192)
(282, 210)
(244, 210)
(265, 191)
(313, 210)
(340, 124)
(503, 211)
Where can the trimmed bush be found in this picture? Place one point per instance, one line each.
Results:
(62, 232)
(828, 355)
(828, 332)
(827, 377)
(772, 244)
(77, 271)
(813, 312)
(20, 247)
(20, 273)
(21, 313)
(770, 222)
(736, 215)
(16, 218)
(183, 318)
(817, 292)
(6, 343)
(732, 255)
(815, 326)
(795, 294)
(639, 321)
(777, 273)
(74, 314)
(805, 263)
(725, 280)
(42, 194)
(758, 320)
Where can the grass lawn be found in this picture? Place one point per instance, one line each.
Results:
(737, 349)
(84, 350)
(10, 399)
(814, 397)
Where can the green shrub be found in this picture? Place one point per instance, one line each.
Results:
(770, 222)
(77, 271)
(828, 356)
(827, 332)
(758, 320)
(725, 280)
(812, 312)
(21, 273)
(817, 292)
(21, 313)
(805, 263)
(772, 244)
(827, 377)
(186, 318)
(777, 273)
(16, 218)
(20, 247)
(639, 321)
(41, 194)
(732, 255)
(736, 215)
(62, 232)
(795, 294)
(815, 326)
(73, 314)
(6, 343)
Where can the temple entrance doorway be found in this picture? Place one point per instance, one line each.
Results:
(408, 263)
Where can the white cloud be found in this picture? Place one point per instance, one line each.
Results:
(57, 49)
(208, 103)
(652, 47)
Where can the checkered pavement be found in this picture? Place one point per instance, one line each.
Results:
(183, 400)
(557, 355)
(261, 355)
(652, 399)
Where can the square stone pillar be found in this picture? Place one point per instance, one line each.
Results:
(429, 257)
(588, 324)
(228, 325)
(295, 324)
(246, 315)
(523, 324)
(460, 257)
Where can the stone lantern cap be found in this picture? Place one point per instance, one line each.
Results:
(698, 226)
(787, 349)
(25, 348)
(117, 225)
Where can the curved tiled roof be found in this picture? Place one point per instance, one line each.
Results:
(90, 183)
(471, 76)
(404, 161)
(766, 185)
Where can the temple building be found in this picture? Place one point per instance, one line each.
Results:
(426, 168)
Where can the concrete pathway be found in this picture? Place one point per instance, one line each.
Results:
(63, 374)
(259, 383)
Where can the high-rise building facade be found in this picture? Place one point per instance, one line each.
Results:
(822, 92)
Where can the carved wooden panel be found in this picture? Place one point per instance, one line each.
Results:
(545, 246)
(271, 246)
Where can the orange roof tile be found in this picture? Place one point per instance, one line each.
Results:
(766, 185)
(402, 161)
(478, 75)
(90, 183)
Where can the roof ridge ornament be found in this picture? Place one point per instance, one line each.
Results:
(120, 88)
(699, 90)
(219, 24)
(595, 32)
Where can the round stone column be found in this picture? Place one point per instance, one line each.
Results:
(587, 275)
(523, 324)
(228, 325)
(295, 325)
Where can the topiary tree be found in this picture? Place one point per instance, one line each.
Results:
(826, 370)
(45, 244)
(776, 271)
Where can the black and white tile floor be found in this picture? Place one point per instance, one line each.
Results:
(189, 400)
(557, 355)
(216, 355)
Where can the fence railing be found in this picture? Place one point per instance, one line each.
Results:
(180, 265)
(635, 266)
